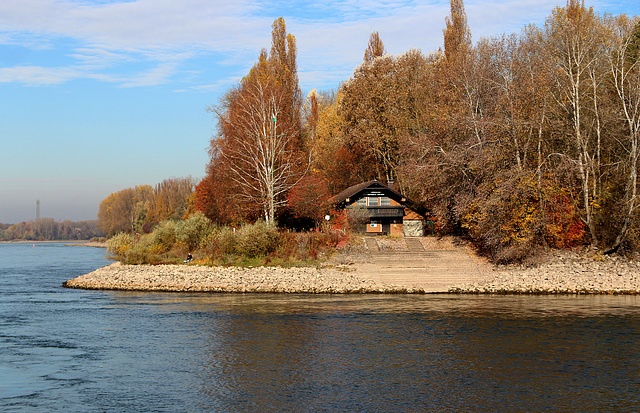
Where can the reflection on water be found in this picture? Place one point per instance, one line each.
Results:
(72, 350)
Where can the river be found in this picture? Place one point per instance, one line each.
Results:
(65, 350)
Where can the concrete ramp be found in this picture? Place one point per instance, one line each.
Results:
(432, 270)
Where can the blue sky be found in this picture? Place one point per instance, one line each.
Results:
(100, 95)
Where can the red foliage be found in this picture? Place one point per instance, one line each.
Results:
(309, 198)
(565, 228)
(213, 199)
(340, 220)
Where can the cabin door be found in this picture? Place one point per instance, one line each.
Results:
(386, 228)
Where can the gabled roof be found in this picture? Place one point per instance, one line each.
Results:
(357, 191)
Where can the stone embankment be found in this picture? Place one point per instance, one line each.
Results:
(561, 273)
(194, 278)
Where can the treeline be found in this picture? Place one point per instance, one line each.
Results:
(139, 209)
(518, 141)
(47, 229)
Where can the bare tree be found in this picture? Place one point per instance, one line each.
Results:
(625, 73)
(261, 155)
(575, 43)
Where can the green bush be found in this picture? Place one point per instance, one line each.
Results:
(226, 241)
(257, 240)
(252, 244)
(118, 245)
(194, 231)
(163, 237)
(141, 253)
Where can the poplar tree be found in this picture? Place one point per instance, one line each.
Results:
(258, 146)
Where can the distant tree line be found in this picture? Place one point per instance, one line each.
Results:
(47, 229)
(140, 208)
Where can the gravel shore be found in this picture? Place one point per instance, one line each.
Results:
(193, 278)
(562, 272)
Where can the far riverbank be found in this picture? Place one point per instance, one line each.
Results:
(82, 243)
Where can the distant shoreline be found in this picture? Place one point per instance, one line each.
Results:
(83, 243)
(64, 241)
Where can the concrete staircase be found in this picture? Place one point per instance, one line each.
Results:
(414, 245)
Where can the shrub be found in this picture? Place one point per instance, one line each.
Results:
(141, 252)
(257, 239)
(118, 245)
(163, 237)
(194, 231)
(227, 241)
(357, 218)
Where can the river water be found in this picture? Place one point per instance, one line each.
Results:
(67, 350)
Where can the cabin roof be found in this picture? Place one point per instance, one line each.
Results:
(355, 192)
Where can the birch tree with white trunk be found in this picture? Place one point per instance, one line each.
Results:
(625, 75)
(262, 156)
(575, 44)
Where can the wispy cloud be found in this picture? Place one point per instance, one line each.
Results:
(38, 75)
(100, 38)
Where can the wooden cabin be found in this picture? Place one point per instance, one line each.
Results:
(388, 211)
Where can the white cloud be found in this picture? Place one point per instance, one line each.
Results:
(37, 75)
(138, 25)
(97, 57)
(160, 74)
(160, 35)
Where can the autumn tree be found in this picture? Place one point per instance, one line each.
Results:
(457, 35)
(382, 104)
(337, 160)
(262, 161)
(121, 211)
(259, 138)
(309, 199)
(625, 79)
(374, 49)
(576, 42)
(169, 200)
(212, 198)
(139, 208)
(438, 161)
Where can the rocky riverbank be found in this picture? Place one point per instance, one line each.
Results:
(439, 269)
(194, 278)
(561, 272)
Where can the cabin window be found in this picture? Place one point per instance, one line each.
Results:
(385, 201)
(362, 202)
(374, 201)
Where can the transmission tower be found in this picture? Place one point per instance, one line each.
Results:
(38, 210)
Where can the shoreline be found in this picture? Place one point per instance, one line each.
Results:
(562, 272)
(195, 278)
(73, 242)
(61, 241)
(559, 272)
